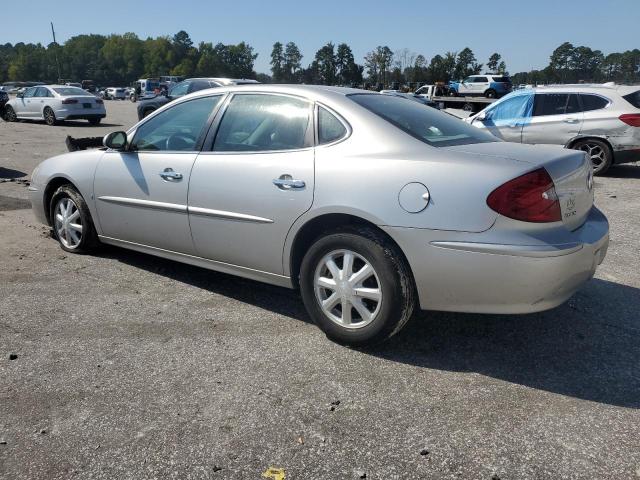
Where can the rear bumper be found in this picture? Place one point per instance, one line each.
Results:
(80, 113)
(468, 275)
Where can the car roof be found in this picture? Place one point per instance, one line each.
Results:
(586, 88)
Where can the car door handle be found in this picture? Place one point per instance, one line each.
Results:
(571, 120)
(285, 182)
(169, 174)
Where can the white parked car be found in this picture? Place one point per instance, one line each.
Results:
(602, 120)
(114, 93)
(53, 103)
(488, 85)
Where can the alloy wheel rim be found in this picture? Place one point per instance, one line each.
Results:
(11, 115)
(48, 116)
(596, 154)
(348, 289)
(68, 223)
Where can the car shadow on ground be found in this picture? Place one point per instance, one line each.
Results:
(11, 173)
(588, 348)
(623, 171)
(73, 123)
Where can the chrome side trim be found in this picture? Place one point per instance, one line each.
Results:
(246, 272)
(229, 215)
(515, 250)
(136, 202)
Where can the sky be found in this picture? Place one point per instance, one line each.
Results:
(524, 33)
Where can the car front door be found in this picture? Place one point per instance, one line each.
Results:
(465, 87)
(480, 85)
(507, 118)
(26, 104)
(141, 193)
(256, 179)
(557, 118)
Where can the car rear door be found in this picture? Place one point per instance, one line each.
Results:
(556, 119)
(480, 85)
(141, 193)
(255, 180)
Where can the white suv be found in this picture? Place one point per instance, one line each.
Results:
(488, 85)
(602, 120)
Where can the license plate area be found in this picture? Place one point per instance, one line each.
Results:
(86, 105)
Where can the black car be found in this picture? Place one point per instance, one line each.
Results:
(190, 85)
(4, 98)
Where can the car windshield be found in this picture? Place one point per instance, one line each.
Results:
(633, 98)
(68, 91)
(424, 123)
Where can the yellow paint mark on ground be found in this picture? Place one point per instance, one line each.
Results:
(274, 473)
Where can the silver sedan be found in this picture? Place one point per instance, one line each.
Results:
(55, 103)
(371, 205)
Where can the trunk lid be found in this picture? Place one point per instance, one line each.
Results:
(570, 170)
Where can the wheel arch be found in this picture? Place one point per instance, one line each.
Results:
(53, 185)
(315, 227)
(575, 140)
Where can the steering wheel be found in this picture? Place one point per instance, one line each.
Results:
(180, 141)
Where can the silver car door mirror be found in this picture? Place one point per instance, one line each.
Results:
(115, 140)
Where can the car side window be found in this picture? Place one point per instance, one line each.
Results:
(180, 89)
(592, 102)
(550, 104)
(255, 123)
(573, 106)
(509, 109)
(175, 129)
(30, 92)
(481, 80)
(330, 128)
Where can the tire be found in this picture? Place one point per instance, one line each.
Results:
(49, 116)
(491, 93)
(70, 239)
(453, 93)
(599, 152)
(148, 112)
(94, 121)
(391, 279)
(9, 114)
(468, 107)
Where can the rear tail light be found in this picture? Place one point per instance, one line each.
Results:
(99, 101)
(530, 198)
(632, 119)
(68, 101)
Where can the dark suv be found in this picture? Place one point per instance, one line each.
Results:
(190, 85)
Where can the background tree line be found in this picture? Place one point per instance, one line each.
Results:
(120, 59)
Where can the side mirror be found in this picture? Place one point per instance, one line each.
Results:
(480, 117)
(115, 140)
(20, 95)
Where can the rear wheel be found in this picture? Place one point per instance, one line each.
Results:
(147, 112)
(71, 219)
(491, 93)
(357, 287)
(9, 114)
(49, 116)
(599, 153)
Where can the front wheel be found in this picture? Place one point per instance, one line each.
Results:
(599, 153)
(10, 114)
(357, 287)
(71, 219)
(49, 116)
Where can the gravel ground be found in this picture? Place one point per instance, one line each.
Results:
(133, 367)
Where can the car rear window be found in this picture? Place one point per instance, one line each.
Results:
(633, 98)
(68, 91)
(427, 124)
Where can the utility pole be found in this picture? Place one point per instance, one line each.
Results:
(53, 32)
